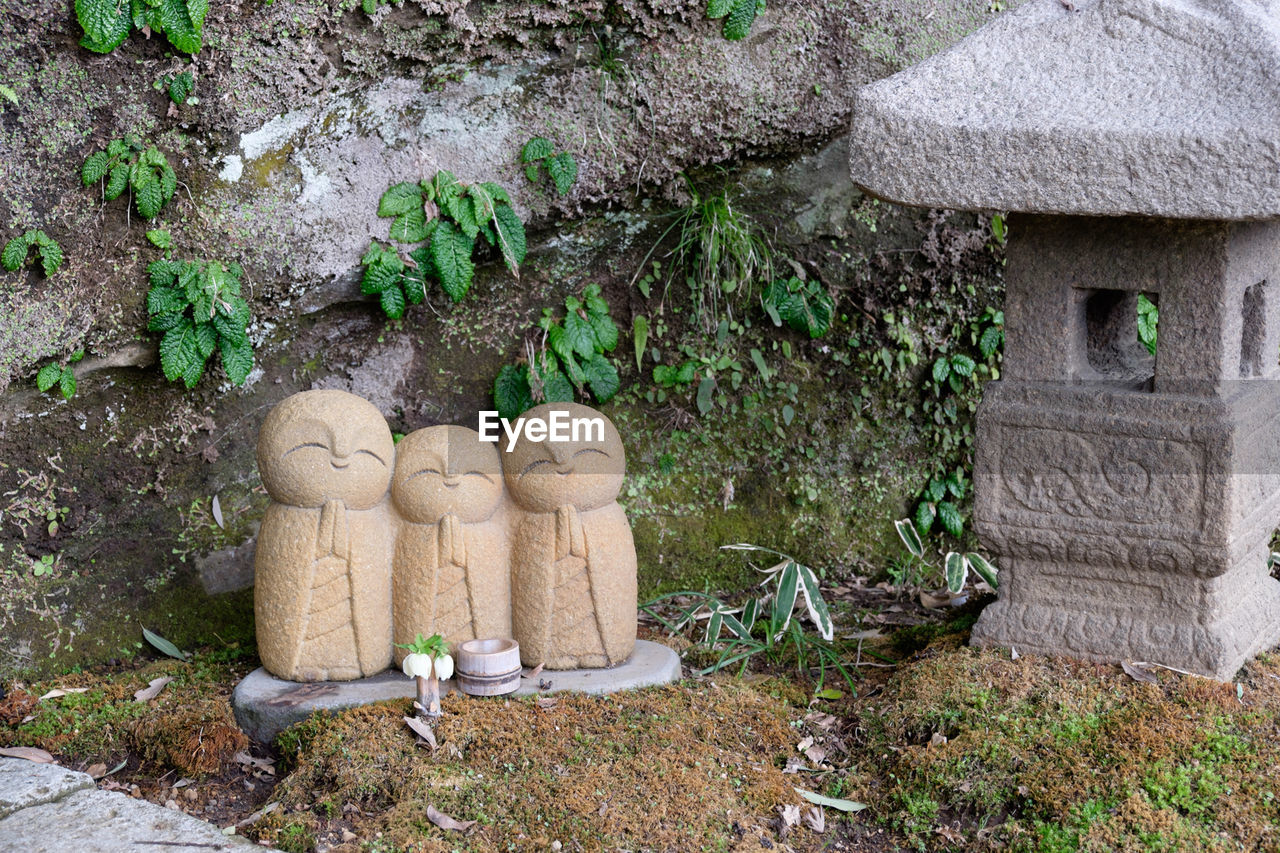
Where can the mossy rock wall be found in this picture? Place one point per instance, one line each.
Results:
(304, 113)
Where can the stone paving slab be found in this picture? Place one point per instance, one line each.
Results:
(26, 783)
(265, 705)
(55, 810)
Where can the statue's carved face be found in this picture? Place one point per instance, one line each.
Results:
(544, 475)
(326, 445)
(446, 470)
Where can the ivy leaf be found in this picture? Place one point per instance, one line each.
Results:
(511, 392)
(15, 253)
(94, 168)
(511, 242)
(563, 170)
(392, 300)
(740, 19)
(538, 148)
(237, 359)
(106, 23)
(48, 376)
(602, 377)
(400, 199)
(580, 335)
(67, 383)
(116, 182)
(949, 516)
(451, 257)
(605, 329)
(178, 351)
(180, 87)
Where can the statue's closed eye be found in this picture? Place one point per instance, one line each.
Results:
(324, 447)
(534, 464)
(590, 450)
(374, 455)
(435, 471)
(479, 474)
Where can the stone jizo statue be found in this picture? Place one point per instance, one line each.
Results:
(365, 541)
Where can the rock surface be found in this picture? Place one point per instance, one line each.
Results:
(1152, 107)
(49, 809)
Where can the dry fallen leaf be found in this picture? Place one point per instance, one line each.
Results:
(938, 739)
(804, 744)
(30, 753)
(1137, 673)
(258, 815)
(816, 754)
(63, 691)
(1013, 653)
(264, 765)
(790, 814)
(934, 602)
(153, 689)
(546, 703)
(217, 512)
(444, 821)
(532, 673)
(96, 771)
(816, 819)
(422, 730)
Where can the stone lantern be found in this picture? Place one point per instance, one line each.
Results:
(1129, 499)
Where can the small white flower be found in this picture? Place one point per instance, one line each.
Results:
(417, 665)
(444, 667)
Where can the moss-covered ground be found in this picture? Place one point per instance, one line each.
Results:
(949, 748)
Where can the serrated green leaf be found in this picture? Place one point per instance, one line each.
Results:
(237, 359)
(382, 274)
(392, 301)
(9, 95)
(94, 168)
(703, 399)
(148, 197)
(962, 364)
(180, 87)
(926, 512)
(163, 645)
(67, 383)
(162, 299)
(687, 372)
(50, 257)
(640, 336)
(538, 148)
(482, 202)
(183, 23)
(531, 172)
(992, 338)
(168, 183)
(718, 8)
(163, 272)
(399, 199)
(117, 180)
(106, 23)
(117, 147)
(556, 387)
(160, 238)
(511, 393)
(15, 253)
(178, 350)
(808, 311)
(497, 193)
(910, 538)
(451, 256)
(564, 171)
(463, 212)
(580, 335)
(165, 321)
(48, 376)
(410, 227)
(740, 18)
(602, 377)
(206, 339)
(950, 518)
(511, 241)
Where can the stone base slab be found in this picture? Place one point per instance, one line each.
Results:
(265, 705)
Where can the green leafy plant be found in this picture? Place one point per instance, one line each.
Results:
(1148, 319)
(956, 566)
(16, 251)
(446, 216)
(160, 238)
(766, 624)
(803, 305)
(539, 152)
(572, 356)
(939, 502)
(107, 23)
(723, 247)
(198, 307)
(60, 375)
(179, 87)
(669, 376)
(738, 15)
(127, 163)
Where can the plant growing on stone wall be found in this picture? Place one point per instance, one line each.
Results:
(127, 163)
(571, 357)
(107, 23)
(198, 307)
(60, 375)
(446, 216)
(16, 251)
(539, 152)
(178, 86)
(738, 15)
(1148, 319)
(803, 305)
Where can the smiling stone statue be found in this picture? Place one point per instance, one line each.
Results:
(451, 561)
(573, 560)
(322, 597)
